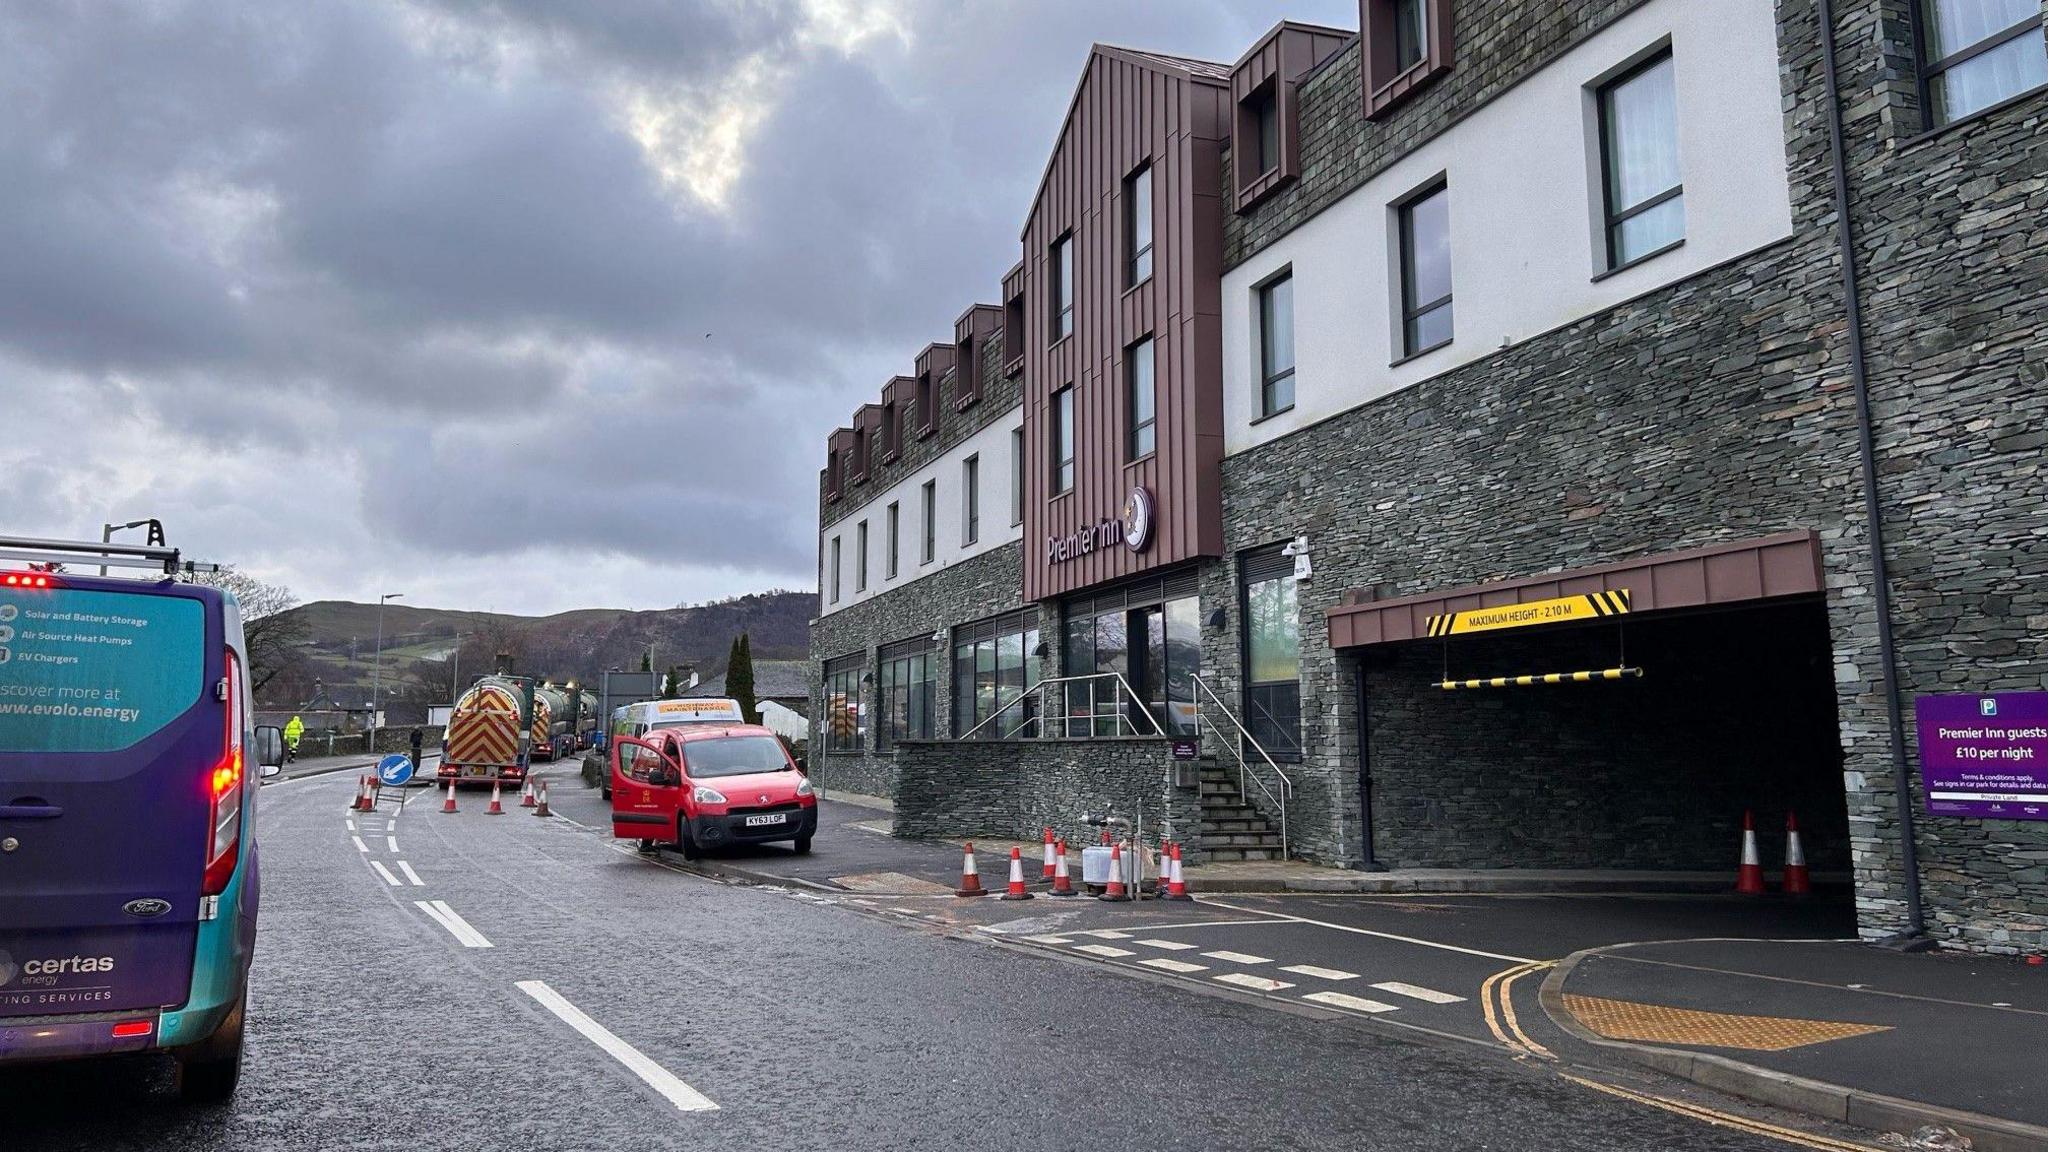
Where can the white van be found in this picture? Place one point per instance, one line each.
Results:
(639, 719)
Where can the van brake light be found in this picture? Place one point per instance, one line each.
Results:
(224, 791)
(128, 1028)
(28, 580)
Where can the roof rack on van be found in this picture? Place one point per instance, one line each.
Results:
(151, 556)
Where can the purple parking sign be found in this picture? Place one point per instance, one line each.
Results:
(1985, 755)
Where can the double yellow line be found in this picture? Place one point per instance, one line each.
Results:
(1721, 1119)
(1501, 1019)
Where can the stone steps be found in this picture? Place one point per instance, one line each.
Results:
(1231, 828)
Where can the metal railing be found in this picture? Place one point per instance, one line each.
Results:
(1244, 767)
(1120, 691)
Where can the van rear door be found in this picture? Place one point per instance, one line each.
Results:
(646, 791)
(112, 732)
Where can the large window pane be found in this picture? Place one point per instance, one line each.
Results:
(1276, 345)
(1411, 35)
(1183, 662)
(1639, 141)
(1112, 654)
(1138, 227)
(2018, 64)
(1426, 272)
(1063, 440)
(1953, 25)
(963, 689)
(1274, 631)
(1141, 402)
(1010, 683)
(1063, 287)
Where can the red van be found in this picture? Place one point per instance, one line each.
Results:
(709, 786)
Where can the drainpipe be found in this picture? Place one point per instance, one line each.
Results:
(1916, 925)
(1368, 863)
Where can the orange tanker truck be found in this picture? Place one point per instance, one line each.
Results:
(483, 732)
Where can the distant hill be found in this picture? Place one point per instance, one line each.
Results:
(430, 652)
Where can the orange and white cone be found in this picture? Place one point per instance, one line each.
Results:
(1017, 891)
(362, 801)
(1115, 890)
(1176, 888)
(540, 808)
(1047, 876)
(496, 809)
(970, 876)
(1797, 881)
(526, 794)
(448, 805)
(1062, 882)
(1749, 875)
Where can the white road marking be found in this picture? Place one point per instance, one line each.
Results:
(1104, 950)
(1105, 934)
(1169, 945)
(1283, 918)
(351, 825)
(457, 927)
(1049, 939)
(684, 1097)
(391, 842)
(1238, 957)
(1417, 992)
(1165, 965)
(360, 846)
(1354, 1003)
(1320, 973)
(386, 874)
(411, 875)
(1258, 983)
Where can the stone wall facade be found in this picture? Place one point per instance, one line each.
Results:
(1014, 789)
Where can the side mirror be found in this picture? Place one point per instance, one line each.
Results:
(270, 749)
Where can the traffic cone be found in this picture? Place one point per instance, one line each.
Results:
(369, 794)
(970, 877)
(448, 805)
(496, 809)
(1016, 891)
(1062, 883)
(526, 794)
(540, 807)
(361, 802)
(1797, 881)
(1115, 890)
(1048, 856)
(1176, 888)
(1749, 875)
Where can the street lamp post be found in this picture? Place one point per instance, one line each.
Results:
(377, 668)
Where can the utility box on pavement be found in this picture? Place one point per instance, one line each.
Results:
(1095, 867)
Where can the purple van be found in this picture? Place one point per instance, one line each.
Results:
(128, 777)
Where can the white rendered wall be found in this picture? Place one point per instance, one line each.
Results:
(993, 445)
(1525, 216)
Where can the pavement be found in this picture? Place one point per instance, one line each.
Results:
(431, 982)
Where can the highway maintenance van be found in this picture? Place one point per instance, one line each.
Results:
(640, 719)
(128, 774)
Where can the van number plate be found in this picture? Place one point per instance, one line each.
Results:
(758, 821)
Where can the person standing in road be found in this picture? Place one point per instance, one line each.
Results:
(419, 739)
(293, 729)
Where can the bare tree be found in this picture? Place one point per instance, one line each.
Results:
(271, 631)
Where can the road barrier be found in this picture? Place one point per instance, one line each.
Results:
(970, 876)
(1017, 891)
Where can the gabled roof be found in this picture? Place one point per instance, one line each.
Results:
(1187, 66)
(773, 680)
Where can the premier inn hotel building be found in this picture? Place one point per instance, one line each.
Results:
(1521, 435)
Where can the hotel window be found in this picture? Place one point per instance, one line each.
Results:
(1264, 106)
(1639, 162)
(970, 500)
(835, 569)
(1272, 648)
(1142, 400)
(860, 559)
(1013, 334)
(1016, 476)
(1063, 440)
(1138, 227)
(860, 451)
(832, 480)
(1151, 636)
(1405, 45)
(906, 691)
(891, 439)
(1411, 33)
(927, 410)
(1976, 53)
(995, 664)
(1061, 280)
(844, 722)
(1426, 271)
(895, 515)
(1276, 344)
(931, 521)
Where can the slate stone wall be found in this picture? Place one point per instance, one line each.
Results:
(1014, 789)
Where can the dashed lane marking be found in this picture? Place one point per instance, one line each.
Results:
(671, 1088)
(1320, 973)
(360, 846)
(1417, 992)
(1169, 945)
(1238, 957)
(1165, 965)
(411, 875)
(351, 825)
(386, 874)
(391, 843)
(1104, 950)
(1105, 934)
(457, 927)
(1049, 939)
(1344, 1000)
(1257, 983)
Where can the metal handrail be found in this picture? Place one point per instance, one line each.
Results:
(1039, 688)
(1237, 750)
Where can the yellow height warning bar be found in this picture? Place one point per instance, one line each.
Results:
(1589, 606)
(1545, 678)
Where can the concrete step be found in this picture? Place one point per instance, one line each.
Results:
(1240, 840)
(1231, 825)
(1221, 855)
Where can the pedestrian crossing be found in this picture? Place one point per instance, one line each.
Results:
(1312, 983)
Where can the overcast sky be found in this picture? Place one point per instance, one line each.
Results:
(524, 305)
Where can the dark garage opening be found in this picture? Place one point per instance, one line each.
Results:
(1735, 711)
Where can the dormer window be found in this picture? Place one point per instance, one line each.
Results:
(1404, 44)
(1264, 107)
(1013, 333)
(927, 404)
(891, 433)
(860, 453)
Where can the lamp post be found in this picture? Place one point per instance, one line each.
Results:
(377, 669)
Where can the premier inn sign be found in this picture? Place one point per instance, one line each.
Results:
(1134, 528)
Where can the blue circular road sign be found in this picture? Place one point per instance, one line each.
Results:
(395, 769)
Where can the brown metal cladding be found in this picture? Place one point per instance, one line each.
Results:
(900, 391)
(1130, 109)
(840, 453)
(1788, 564)
(979, 323)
